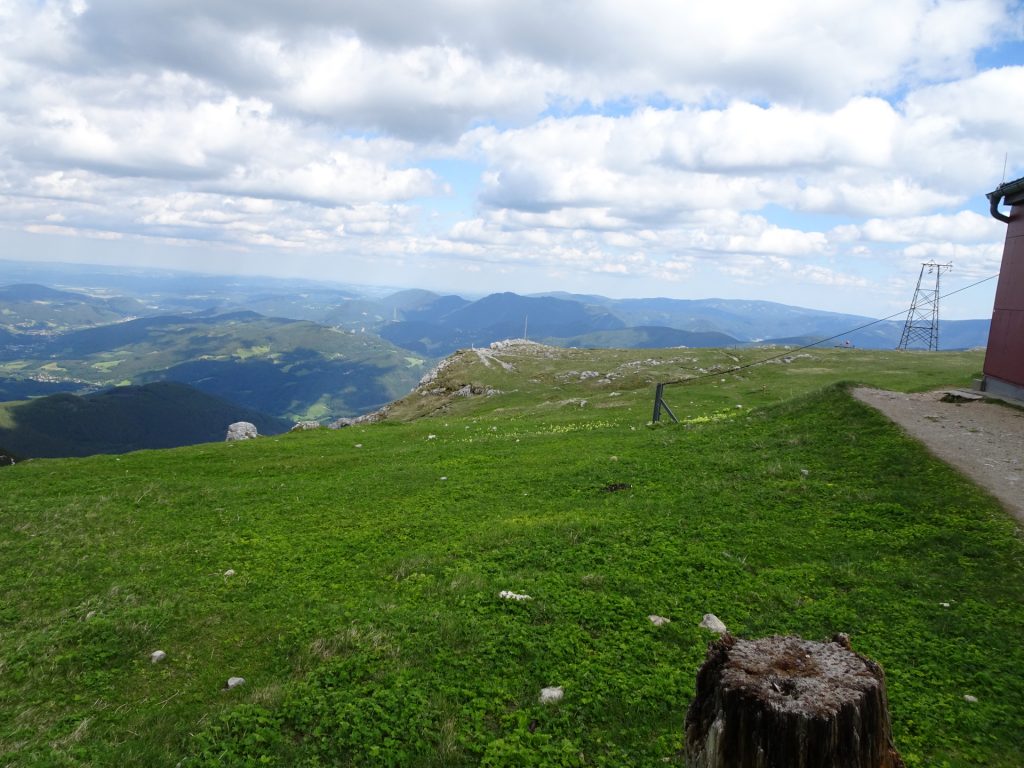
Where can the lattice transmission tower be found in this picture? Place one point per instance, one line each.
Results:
(922, 324)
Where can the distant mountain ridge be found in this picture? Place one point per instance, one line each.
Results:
(159, 415)
(439, 325)
(310, 350)
(772, 322)
(289, 368)
(33, 308)
(303, 350)
(445, 324)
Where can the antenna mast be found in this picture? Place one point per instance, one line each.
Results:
(922, 324)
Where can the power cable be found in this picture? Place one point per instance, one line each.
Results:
(789, 352)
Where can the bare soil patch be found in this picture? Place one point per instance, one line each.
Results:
(982, 439)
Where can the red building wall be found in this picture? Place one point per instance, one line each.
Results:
(1004, 358)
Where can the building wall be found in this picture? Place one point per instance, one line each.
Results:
(1004, 358)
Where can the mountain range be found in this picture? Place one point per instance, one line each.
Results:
(437, 324)
(35, 308)
(302, 350)
(291, 369)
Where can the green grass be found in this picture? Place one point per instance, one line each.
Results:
(364, 612)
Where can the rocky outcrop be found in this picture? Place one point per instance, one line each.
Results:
(241, 430)
(366, 418)
(303, 426)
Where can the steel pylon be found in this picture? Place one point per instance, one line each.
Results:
(922, 326)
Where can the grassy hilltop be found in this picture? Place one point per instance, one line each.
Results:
(364, 614)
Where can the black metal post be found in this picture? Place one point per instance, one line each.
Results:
(659, 403)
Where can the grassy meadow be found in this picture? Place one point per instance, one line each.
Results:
(364, 614)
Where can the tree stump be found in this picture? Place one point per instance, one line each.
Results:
(783, 702)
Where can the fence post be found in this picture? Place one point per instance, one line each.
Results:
(659, 403)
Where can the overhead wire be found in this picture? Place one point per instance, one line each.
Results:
(789, 352)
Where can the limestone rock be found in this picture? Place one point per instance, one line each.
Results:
(367, 418)
(507, 595)
(302, 426)
(241, 430)
(234, 682)
(551, 694)
(712, 622)
(659, 621)
(157, 656)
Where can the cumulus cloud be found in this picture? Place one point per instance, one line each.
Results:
(962, 227)
(653, 139)
(209, 141)
(657, 162)
(969, 261)
(445, 62)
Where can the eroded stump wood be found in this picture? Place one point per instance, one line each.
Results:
(783, 702)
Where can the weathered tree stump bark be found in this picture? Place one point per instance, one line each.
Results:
(783, 702)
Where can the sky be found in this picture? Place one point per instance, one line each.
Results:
(812, 153)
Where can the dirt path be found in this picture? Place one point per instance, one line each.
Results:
(983, 440)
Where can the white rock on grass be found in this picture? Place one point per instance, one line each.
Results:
(551, 695)
(157, 656)
(659, 621)
(970, 699)
(241, 430)
(234, 682)
(507, 595)
(712, 622)
(229, 573)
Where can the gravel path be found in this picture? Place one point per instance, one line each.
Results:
(984, 440)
